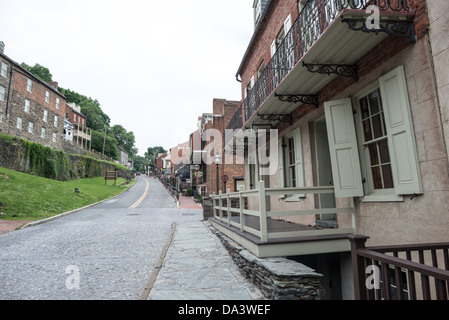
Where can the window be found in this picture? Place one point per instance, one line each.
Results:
(4, 69)
(27, 105)
(379, 160)
(19, 123)
(257, 11)
(55, 121)
(260, 69)
(47, 97)
(291, 168)
(57, 103)
(29, 85)
(375, 140)
(45, 115)
(54, 137)
(30, 127)
(2, 93)
(43, 133)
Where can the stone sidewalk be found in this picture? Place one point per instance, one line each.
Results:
(198, 267)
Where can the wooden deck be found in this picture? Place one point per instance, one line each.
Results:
(282, 246)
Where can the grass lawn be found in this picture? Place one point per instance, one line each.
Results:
(28, 197)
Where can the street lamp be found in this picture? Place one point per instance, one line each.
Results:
(217, 160)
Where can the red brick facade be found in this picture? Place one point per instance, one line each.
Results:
(223, 111)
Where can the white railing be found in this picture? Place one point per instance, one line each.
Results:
(225, 213)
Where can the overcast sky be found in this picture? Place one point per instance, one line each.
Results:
(154, 65)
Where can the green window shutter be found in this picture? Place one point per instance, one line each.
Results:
(401, 136)
(299, 163)
(344, 154)
(281, 165)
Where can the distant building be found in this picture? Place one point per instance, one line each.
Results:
(30, 108)
(123, 156)
(82, 135)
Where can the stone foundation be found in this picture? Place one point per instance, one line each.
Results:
(277, 278)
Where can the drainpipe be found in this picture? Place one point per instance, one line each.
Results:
(8, 98)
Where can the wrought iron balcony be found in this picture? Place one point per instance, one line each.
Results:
(313, 21)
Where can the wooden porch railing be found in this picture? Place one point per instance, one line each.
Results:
(225, 213)
(406, 272)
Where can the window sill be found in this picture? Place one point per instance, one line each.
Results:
(382, 198)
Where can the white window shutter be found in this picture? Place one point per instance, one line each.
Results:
(343, 148)
(401, 135)
(273, 48)
(288, 24)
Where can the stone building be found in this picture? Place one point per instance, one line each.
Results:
(29, 107)
(358, 99)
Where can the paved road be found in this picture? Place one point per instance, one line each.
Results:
(105, 252)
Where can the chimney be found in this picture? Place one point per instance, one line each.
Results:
(2, 47)
(54, 84)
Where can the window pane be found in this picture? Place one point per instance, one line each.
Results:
(377, 126)
(364, 107)
(384, 152)
(388, 177)
(374, 102)
(367, 130)
(293, 176)
(373, 154)
(377, 178)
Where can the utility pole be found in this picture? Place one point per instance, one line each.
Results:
(104, 141)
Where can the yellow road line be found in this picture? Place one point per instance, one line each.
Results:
(142, 197)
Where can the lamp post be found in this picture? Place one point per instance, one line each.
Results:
(217, 160)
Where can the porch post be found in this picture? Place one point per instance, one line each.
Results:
(228, 205)
(358, 266)
(220, 204)
(263, 212)
(242, 206)
(213, 205)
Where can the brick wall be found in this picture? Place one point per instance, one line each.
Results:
(223, 111)
(37, 108)
(268, 30)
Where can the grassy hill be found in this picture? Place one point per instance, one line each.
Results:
(28, 197)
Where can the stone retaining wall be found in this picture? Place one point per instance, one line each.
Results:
(277, 278)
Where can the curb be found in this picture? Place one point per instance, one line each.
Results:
(35, 223)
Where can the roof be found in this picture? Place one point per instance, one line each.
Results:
(255, 34)
(25, 72)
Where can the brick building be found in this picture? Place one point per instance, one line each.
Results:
(211, 127)
(82, 135)
(360, 107)
(29, 107)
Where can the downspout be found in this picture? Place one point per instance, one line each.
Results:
(8, 98)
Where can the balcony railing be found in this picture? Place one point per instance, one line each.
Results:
(406, 272)
(312, 22)
(236, 123)
(256, 222)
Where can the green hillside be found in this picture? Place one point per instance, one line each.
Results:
(28, 197)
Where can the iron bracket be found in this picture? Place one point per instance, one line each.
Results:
(397, 28)
(276, 117)
(295, 98)
(344, 70)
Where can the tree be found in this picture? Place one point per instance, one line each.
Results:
(39, 71)
(110, 149)
(125, 139)
(152, 153)
(96, 118)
